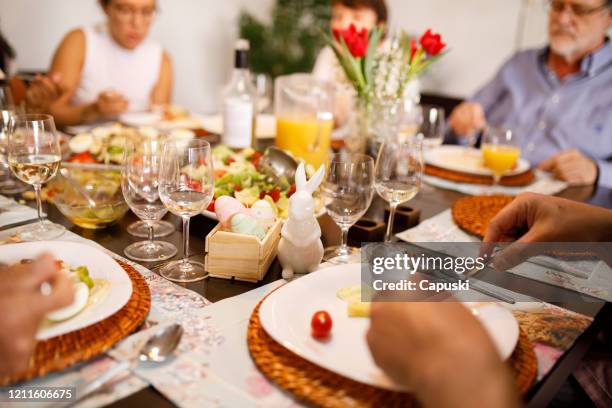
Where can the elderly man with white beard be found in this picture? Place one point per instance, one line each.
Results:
(558, 99)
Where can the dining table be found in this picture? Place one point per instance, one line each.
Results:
(429, 202)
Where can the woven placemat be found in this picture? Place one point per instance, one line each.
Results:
(318, 386)
(60, 352)
(474, 213)
(516, 180)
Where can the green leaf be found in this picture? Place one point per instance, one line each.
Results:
(375, 36)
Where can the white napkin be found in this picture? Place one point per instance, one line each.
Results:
(12, 212)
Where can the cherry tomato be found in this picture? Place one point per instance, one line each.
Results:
(262, 194)
(275, 194)
(292, 190)
(238, 187)
(194, 185)
(321, 324)
(85, 157)
(228, 160)
(211, 206)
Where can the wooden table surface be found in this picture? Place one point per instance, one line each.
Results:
(429, 202)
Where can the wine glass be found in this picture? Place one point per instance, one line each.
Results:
(140, 228)
(410, 120)
(500, 152)
(139, 183)
(263, 85)
(34, 156)
(186, 187)
(398, 174)
(431, 130)
(8, 183)
(348, 189)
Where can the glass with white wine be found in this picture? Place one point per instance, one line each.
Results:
(34, 156)
(398, 175)
(139, 183)
(186, 187)
(348, 189)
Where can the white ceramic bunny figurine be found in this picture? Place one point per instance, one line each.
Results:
(300, 249)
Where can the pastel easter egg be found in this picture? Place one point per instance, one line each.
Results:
(226, 207)
(245, 224)
(263, 212)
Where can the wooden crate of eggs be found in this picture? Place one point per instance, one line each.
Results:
(244, 242)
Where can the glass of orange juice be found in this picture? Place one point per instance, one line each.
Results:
(303, 107)
(500, 151)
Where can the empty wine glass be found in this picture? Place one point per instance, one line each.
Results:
(34, 156)
(186, 187)
(398, 175)
(348, 189)
(8, 183)
(410, 120)
(431, 129)
(140, 229)
(500, 152)
(139, 183)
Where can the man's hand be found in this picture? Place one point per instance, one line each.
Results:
(467, 119)
(533, 218)
(440, 352)
(571, 166)
(24, 307)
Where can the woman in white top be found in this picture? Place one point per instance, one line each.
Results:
(111, 68)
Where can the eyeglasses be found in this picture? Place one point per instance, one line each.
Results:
(127, 13)
(578, 10)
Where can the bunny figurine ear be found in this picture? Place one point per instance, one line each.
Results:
(315, 180)
(300, 177)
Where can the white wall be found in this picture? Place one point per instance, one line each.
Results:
(199, 33)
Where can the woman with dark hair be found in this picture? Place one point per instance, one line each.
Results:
(112, 68)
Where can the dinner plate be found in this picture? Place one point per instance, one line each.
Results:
(265, 126)
(286, 313)
(466, 160)
(154, 119)
(100, 265)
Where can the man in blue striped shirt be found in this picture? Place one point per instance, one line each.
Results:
(559, 99)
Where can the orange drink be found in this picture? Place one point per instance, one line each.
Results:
(305, 137)
(500, 158)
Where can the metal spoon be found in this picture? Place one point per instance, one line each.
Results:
(159, 346)
(276, 163)
(64, 172)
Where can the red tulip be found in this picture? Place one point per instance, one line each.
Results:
(432, 43)
(356, 41)
(413, 48)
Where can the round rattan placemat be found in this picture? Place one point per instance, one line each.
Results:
(318, 386)
(474, 213)
(516, 180)
(63, 351)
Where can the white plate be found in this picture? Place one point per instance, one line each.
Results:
(466, 160)
(100, 265)
(265, 126)
(286, 315)
(154, 119)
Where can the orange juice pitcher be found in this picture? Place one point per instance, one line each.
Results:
(303, 106)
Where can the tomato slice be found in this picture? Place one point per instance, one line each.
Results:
(321, 324)
(85, 157)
